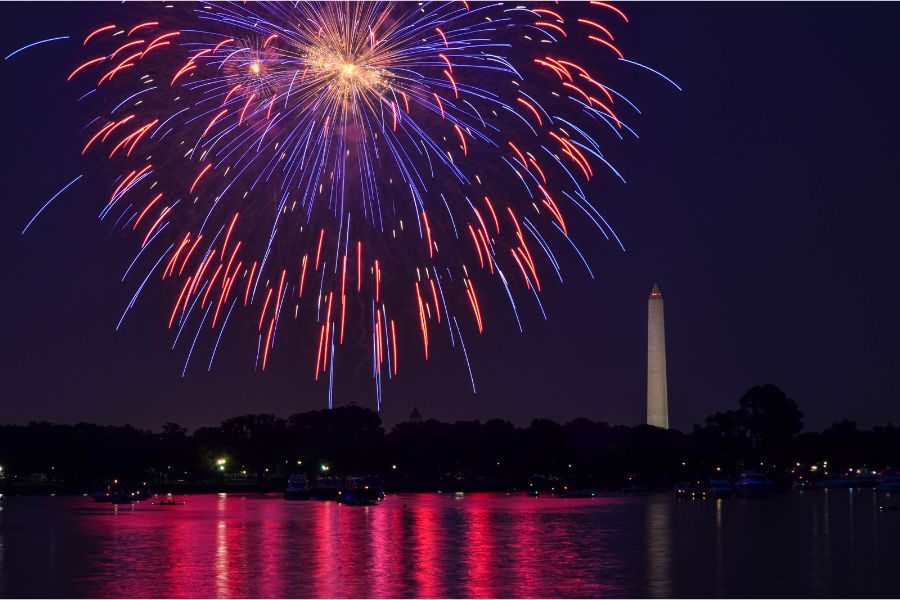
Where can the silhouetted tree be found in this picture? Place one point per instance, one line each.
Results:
(772, 420)
(342, 438)
(258, 440)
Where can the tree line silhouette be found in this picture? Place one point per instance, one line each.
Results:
(764, 433)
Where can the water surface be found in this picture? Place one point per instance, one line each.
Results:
(834, 543)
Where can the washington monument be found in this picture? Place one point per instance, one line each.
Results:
(657, 393)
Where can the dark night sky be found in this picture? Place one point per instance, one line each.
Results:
(764, 199)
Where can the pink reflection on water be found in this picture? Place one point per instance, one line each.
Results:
(435, 545)
(322, 545)
(479, 552)
(427, 555)
(526, 550)
(222, 568)
(408, 546)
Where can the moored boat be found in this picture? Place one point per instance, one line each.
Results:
(577, 494)
(124, 498)
(752, 484)
(804, 484)
(326, 488)
(695, 490)
(102, 496)
(719, 487)
(834, 483)
(168, 503)
(864, 478)
(890, 482)
(297, 488)
(353, 498)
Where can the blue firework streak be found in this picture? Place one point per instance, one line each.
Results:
(361, 169)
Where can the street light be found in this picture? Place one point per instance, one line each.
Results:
(220, 463)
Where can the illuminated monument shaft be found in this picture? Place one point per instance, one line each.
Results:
(657, 392)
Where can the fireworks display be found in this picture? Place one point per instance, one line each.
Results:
(362, 177)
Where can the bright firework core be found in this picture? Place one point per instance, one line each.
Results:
(348, 75)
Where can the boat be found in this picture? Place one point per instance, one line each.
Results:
(332, 487)
(804, 484)
(109, 493)
(865, 479)
(326, 488)
(368, 486)
(719, 487)
(890, 482)
(373, 487)
(297, 488)
(352, 498)
(115, 493)
(168, 503)
(577, 494)
(753, 484)
(690, 489)
(859, 478)
(633, 485)
(835, 483)
(102, 496)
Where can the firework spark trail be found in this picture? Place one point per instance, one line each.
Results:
(454, 137)
(49, 202)
(33, 44)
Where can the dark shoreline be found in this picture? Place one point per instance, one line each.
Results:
(274, 487)
(259, 452)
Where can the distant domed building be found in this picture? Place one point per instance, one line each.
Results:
(415, 417)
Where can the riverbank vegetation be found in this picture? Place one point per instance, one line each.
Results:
(763, 433)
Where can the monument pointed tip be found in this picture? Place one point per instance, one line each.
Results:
(655, 293)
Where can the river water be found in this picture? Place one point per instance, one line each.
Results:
(824, 543)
